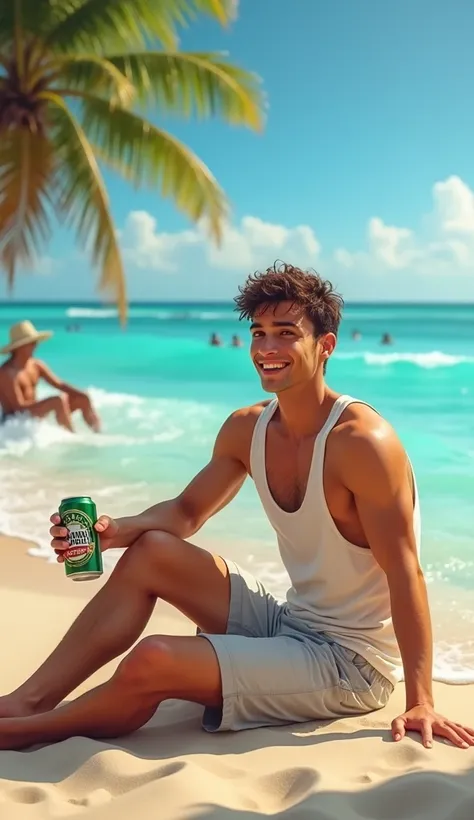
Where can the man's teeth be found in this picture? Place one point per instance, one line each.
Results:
(274, 366)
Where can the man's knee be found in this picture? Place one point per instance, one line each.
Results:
(80, 402)
(148, 665)
(155, 550)
(188, 577)
(154, 542)
(61, 402)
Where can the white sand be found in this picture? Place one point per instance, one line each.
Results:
(337, 770)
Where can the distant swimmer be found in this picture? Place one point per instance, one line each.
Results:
(236, 341)
(215, 340)
(386, 339)
(356, 335)
(19, 377)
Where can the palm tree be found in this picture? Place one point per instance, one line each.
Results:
(76, 78)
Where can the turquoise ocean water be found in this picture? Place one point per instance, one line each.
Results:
(163, 393)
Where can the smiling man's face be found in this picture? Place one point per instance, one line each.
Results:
(284, 349)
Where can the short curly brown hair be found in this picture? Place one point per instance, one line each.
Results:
(286, 283)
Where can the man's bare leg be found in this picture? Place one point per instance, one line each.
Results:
(156, 565)
(158, 668)
(59, 405)
(84, 404)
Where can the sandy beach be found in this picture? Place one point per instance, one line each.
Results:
(327, 770)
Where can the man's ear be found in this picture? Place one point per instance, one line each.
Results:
(328, 343)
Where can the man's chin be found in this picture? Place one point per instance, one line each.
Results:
(268, 388)
(273, 387)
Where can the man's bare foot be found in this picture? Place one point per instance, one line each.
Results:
(96, 426)
(92, 419)
(12, 706)
(14, 734)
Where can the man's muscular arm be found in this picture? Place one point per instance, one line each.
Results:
(375, 469)
(209, 491)
(49, 377)
(376, 472)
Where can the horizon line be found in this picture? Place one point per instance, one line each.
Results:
(217, 302)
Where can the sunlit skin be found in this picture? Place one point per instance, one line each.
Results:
(19, 378)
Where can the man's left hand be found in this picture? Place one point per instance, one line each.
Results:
(428, 723)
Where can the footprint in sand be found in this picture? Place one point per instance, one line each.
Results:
(287, 787)
(96, 798)
(27, 794)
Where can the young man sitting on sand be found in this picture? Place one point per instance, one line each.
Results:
(19, 377)
(339, 490)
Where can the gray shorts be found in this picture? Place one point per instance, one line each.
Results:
(275, 670)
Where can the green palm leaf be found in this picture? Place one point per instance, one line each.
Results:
(96, 23)
(148, 155)
(52, 50)
(26, 170)
(94, 74)
(35, 16)
(83, 202)
(194, 83)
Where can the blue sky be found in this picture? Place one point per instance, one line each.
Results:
(365, 170)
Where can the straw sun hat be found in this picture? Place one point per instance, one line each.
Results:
(24, 333)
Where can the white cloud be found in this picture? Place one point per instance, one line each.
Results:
(251, 244)
(454, 202)
(445, 246)
(434, 259)
(390, 245)
(254, 242)
(144, 247)
(444, 243)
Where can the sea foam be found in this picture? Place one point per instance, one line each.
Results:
(429, 360)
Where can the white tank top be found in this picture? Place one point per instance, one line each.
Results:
(336, 587)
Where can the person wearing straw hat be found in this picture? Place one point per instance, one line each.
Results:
(19, 377)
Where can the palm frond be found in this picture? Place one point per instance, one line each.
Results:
(148, 155)
(82, 199)
(26, 177)
(202, 84)
(37, 16)
(131, 23)
(96, 75)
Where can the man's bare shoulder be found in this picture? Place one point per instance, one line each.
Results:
(37, 365)
(32, 367)
(361, 421)
(249, 414)
(244, 419)
(364, 439)
(236, 433)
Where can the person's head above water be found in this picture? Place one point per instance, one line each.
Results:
(295, 318)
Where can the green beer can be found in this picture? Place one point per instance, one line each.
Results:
(83, 558)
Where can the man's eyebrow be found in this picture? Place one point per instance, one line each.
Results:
(256, 325)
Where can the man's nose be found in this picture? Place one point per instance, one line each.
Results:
(268, 346)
